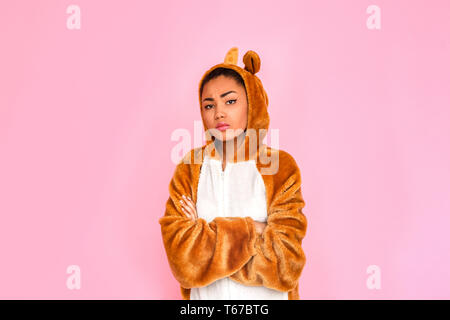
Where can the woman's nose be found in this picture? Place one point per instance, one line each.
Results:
(219, 115)
(219, 112)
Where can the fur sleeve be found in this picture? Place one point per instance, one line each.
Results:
(198, 252)
(280, 259)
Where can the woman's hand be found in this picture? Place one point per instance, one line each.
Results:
(188, 208)
(259, 226)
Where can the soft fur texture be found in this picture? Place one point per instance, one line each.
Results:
(200, 253)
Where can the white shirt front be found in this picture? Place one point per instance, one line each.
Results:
(237, 191)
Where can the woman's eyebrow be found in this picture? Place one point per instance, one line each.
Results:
(222, 95)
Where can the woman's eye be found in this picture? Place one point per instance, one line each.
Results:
(209, 105)
(232, 100)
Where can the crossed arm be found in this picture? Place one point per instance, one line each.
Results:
(199, 252)
(245, 250)
(188, 207)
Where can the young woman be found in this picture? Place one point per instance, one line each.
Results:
(234, 225)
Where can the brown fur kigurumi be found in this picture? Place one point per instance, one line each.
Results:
(199, 252)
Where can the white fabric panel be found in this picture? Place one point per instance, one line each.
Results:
(239, 191)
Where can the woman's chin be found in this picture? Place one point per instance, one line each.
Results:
(224, 136)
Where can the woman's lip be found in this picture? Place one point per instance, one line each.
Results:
(222, 127)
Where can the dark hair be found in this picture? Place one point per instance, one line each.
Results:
(230, 73)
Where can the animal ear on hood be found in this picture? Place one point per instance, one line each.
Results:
(232, 56)
(252, 62)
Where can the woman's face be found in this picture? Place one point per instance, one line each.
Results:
(224, 100)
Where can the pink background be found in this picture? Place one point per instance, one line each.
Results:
(86, 118)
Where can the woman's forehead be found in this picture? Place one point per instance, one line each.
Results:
(221, 86)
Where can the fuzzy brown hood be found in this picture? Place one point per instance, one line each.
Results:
(258, 117)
